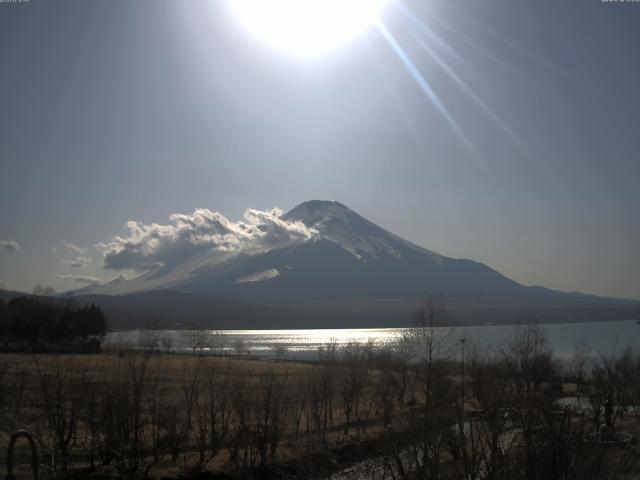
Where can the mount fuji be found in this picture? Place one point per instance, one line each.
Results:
(349, 268)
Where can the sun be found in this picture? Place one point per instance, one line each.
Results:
(307, 27)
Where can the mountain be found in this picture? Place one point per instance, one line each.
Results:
(349, 258)
(6, 295)
(351, 265)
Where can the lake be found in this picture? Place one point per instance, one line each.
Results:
(601, 337)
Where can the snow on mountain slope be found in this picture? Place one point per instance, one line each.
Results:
(360, 237)
(161, 277)
(262, 276)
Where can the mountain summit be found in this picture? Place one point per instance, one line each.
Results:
(360, 237)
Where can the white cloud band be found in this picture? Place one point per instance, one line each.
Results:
(203, 231)
(77, 262)
(10, 245)
(80, 279)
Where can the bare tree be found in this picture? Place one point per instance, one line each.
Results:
(91, 388)
(12, 391)
(218, 407)
(611, 377)
(191, 389)
(155, 404)
(279, 350)
(195, 338)
(353, 379)
(271, 415)
(327, 356)
(241, 438)
(149, 341)
(578, 363)
(166, 342)
(316, 391)
(218, 343)
(56, 403)
(298, 404)
(404, 349)
(137, 369)
(387, 385)
(416, 450)
(530, 371)
(240, 347)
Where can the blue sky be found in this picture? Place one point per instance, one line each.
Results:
(134, 110)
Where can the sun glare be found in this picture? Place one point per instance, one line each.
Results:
(307, 27)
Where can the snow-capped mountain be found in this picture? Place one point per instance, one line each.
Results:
(340, 270)
(346, 257)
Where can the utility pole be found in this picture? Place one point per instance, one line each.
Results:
(462, 340)
(463, 442)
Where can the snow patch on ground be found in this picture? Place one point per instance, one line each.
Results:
(262, 276)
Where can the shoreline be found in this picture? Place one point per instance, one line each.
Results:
(443, 325)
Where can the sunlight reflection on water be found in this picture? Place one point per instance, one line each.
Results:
(601, 337)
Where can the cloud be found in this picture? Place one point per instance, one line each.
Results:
(80, 279)
(149, 246)
(77, 262)
(9, 245)
(74, 248)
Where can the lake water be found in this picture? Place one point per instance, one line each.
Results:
(601, 337)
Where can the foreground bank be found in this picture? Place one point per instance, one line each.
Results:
(422, 409)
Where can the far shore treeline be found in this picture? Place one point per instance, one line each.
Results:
(39, 324)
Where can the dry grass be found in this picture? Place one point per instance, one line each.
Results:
(174, 373)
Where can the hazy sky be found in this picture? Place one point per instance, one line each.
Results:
(116, 110)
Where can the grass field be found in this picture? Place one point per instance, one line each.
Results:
(55, 396)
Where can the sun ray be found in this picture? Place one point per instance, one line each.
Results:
(426, 88)
(466, 88)
(413, 24)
